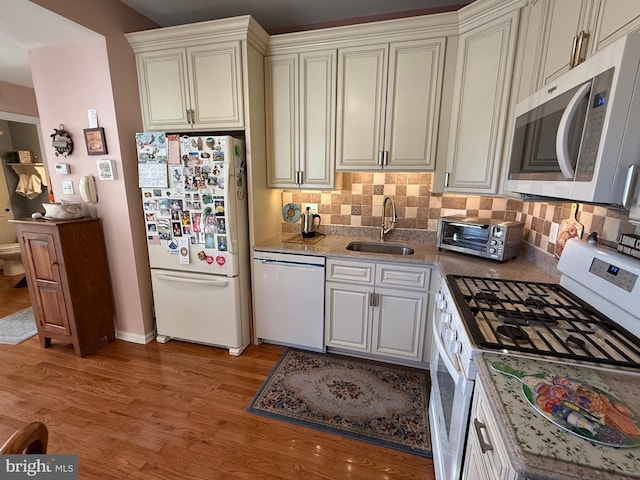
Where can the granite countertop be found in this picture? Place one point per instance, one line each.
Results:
(425, 253)
(537, 448)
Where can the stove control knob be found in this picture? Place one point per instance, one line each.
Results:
(493, 242)
(441, 305)
(492, 250)
(451, 335)
(455, 347)
(439, 297)
(445, 318)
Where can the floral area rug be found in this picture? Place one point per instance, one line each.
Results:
(378, 403)
(17, 327)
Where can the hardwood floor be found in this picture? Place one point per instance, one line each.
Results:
(172, 411)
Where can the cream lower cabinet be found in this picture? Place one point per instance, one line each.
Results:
(389, 105)
(194, 87)
(300, 101)
(480, 108)
(376, 308)
(486, 457)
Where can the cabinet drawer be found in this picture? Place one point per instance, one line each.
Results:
(390, 275)
(487, 431)
(347, 271)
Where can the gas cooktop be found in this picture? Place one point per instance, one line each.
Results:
(540, 319)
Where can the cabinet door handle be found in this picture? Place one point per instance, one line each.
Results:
(380, 158)
(583, 38)
(54, 262)
(484, 446)
(385, 158)
(574, 49)
(446, 179)
(373, 300)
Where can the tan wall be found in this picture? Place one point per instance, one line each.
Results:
(18, 99)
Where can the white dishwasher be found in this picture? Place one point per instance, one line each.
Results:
(288, 299)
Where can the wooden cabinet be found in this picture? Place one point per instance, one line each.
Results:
(389, 105)
(480, 109)
(68, 278)
(197, 87)
(300, 102)
(376, 308)
(486, 456)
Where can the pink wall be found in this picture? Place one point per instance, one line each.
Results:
(17, 99)
(100, 73)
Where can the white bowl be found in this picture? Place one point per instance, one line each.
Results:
(62, 211)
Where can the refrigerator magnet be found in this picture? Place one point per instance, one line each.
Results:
(183, 244)
(222, 243)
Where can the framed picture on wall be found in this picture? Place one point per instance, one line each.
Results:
(106, 169)
(94, 138)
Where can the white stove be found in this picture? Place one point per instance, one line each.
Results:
(591, 318)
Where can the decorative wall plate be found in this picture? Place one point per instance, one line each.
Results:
(291, 213)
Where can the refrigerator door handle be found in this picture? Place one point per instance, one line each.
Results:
(177, 278)
(232, 244)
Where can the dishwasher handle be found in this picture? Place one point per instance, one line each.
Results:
(196, 281)
(266, 261)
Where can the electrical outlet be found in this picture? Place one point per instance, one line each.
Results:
(67, 187)
(553, 233)
(313, 207)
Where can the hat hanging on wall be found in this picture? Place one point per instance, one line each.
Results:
(62, 143)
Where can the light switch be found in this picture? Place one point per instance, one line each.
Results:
(67, 187)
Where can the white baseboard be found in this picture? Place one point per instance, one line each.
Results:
(135, 337)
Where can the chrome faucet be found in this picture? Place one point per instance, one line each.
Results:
(394, 217)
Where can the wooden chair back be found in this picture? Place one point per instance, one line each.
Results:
(31, 438)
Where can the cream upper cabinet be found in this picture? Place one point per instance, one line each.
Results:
(557, 32)
(300, 102)
(615, 19)
(388, 105)
(194, 87)
(480, 106)
(566, 20)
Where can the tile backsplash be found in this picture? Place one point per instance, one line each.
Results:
(358, 203)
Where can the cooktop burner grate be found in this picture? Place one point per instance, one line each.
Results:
(540, 319)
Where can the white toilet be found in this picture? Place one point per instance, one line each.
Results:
(10, 254)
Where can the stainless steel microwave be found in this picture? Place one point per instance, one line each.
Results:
(577, 138)
(483, 237)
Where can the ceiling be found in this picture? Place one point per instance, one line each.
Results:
(25, 25)
(278, 16)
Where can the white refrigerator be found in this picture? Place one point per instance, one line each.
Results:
(195, 205)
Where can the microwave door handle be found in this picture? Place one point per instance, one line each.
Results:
(562, 138)
(629, 186)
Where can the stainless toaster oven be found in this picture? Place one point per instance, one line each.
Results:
(483, 237)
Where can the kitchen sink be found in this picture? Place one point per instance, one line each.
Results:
(376, 247)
